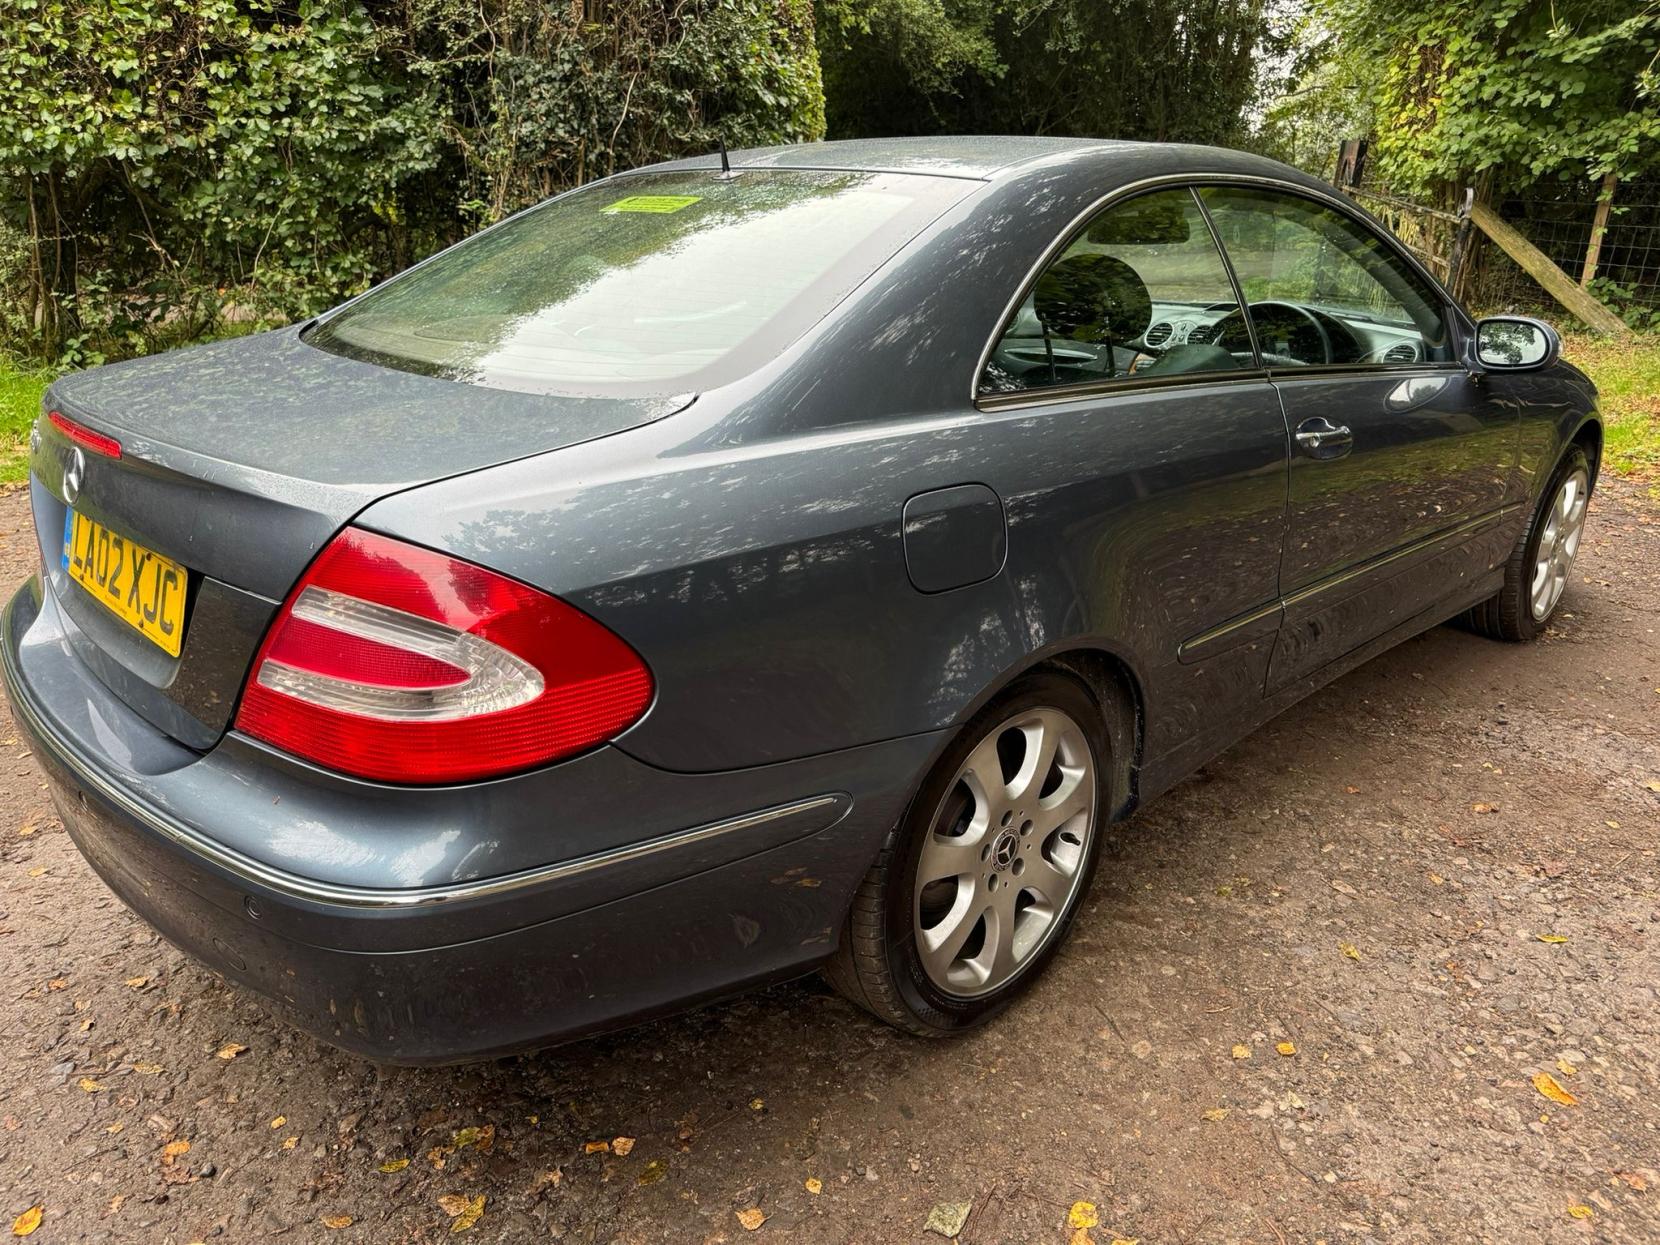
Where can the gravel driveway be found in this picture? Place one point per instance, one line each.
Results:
(1308, 999)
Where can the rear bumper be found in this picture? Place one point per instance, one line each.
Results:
(647, 922)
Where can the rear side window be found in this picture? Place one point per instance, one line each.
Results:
(668, 282)
(1141, 292)
(1323, 289)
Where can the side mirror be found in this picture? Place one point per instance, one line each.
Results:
(1514, 344)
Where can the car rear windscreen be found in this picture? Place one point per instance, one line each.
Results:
(658, 283)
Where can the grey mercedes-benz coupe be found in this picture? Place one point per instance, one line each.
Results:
(712, 574)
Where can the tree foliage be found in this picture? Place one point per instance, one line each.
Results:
(158, 157)
(1565, 89)
(1152, 69)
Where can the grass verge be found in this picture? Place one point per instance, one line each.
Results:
(20, 394)
(1627, 374)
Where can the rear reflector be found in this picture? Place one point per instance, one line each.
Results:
(80, 434)
(392, 662)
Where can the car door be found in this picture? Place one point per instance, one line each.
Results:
(1400, 461)
(1161, 495)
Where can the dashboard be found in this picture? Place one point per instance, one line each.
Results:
(1290, 334)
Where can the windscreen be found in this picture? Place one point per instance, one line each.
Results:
(666, 282)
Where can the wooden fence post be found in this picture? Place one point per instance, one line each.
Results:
(1599, 226)
(1460, 253)
(1558, 284)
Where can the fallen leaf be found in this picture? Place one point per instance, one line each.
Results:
(1216, 1115)
(115, 1127)
(653, 1172)
(288, 1143)
(1634, 1179)
(1566, 1068)
(57, 983)
(91, 1086)
(230, 1050)
(1484, 808)
(1548, 1085)
(1082, 1215)
(947, 1218)
(480, 1138)
(1553, 939)
(620, 1146)
(751, 1218)
(279, 1121)
(337, 1221)
(1349, 949)
(393, 1165)
(173, 1149)
(1352, 790)
(436, 1156)
(147, 1069)
(1612, 825)
(464, 1212)
(27, 1222)
(1286, 1048)
(551, 1179)
(37, 871)
(1241, 1051)
(757, 1104)
(1580, 1212)
(596, 1147)
(138, 983)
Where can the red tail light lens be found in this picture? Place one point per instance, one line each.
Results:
(80, 434)
(392, 662)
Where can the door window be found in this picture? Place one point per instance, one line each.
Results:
(1322, 289)
(1140, 292)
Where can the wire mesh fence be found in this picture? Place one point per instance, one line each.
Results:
(1561, 222)
(1604, 236)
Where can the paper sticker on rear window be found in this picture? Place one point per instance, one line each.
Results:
(653, 203)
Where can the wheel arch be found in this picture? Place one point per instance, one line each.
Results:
(1111, 679)
(1588, 437)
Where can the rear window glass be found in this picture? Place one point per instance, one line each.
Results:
(667, 282)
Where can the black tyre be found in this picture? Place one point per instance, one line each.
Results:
(976, 888)
(1538, 569)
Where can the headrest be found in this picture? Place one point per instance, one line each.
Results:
(1092, 298)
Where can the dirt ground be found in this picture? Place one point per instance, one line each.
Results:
(1433, 881)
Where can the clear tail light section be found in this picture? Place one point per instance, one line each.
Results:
(396, 663)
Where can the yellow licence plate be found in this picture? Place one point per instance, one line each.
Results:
(139, 586)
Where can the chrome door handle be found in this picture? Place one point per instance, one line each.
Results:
(1322, 439)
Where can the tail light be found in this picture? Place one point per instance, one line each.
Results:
(97, 442)
(393, 662)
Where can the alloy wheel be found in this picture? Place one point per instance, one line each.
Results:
(1004, 856)
(1558, 543)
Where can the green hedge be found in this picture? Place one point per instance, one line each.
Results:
(167, 166)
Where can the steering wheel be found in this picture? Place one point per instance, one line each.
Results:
(1298, 326)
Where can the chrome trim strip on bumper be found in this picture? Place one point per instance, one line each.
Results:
(293, 886)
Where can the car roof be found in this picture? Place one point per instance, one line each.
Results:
(983, 157)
